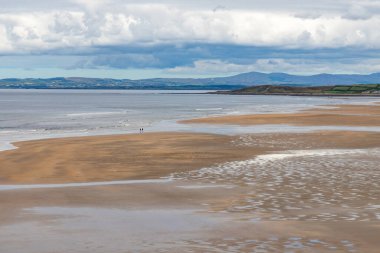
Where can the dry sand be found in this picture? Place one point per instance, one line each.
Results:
(343, 115)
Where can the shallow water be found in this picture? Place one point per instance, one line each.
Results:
(36, 114)
(101, 229)
(312, 188)
(227, 129)
(70, 185)
(300, 185)
(96, 230)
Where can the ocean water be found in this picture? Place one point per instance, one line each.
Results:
(35, 114)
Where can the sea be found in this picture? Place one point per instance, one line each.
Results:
(28, 114)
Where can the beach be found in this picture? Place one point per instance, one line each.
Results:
(161, 126)
(153, 155)
(342, 115)
(307, 191)
(116, 157)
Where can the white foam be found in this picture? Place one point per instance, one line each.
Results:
(43, 186)
(6, 146)
(206, 186)
(93, 114)
(296, 153)
(373, 207)
(304, 153)
(226, 129)
(243, 168)
(209, 109)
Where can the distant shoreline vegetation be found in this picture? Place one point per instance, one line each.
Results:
(336, 90)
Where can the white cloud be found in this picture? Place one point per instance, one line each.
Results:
(207, 67)
(273, 65)
(102, 22)
(365, 9)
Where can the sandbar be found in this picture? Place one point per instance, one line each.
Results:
(341, 115)
(115, 157)
(151, 155)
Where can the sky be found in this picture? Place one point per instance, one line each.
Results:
(168, 38)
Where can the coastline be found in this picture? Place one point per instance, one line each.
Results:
(296, 94)
(369, 90)
(308, 191)
(116, 157)
(341, 115)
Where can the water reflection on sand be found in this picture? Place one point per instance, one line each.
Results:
(295, 201)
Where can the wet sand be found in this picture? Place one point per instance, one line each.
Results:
(163, 219)
(344, 115)
(272, 192)
(325, 200)
(151, 155)
(117, 157)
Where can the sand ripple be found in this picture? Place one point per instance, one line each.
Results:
(312, 185)
(270, 244)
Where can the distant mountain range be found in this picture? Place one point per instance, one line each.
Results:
(218, 83)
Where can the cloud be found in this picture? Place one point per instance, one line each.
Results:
(269, 5)
(275, 65)
(207, 67)
(184, 37)
(308, 15)
(362, 10)
(120, 61)
(96, 23)
(202, 59)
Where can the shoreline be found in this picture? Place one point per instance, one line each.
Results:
(114, 157)
(11, 187)
(339, 115)
(319, 90)
(297, 94)
(307, 191)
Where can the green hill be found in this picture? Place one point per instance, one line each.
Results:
(337, 90)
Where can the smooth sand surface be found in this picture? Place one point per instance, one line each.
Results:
(343, 115)
(150, 155)
(357, 109)
(117, 157)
